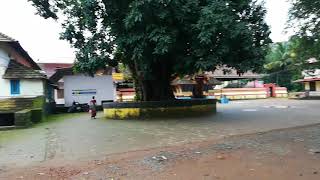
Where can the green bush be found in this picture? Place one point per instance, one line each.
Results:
(38, 102)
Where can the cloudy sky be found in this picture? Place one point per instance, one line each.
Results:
(40, 37)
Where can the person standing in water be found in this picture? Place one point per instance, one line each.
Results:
(93, 109)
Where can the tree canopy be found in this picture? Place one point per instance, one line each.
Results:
(305, 18)
(162, 39)
(283, 65)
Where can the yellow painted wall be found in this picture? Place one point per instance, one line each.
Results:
(307, 86)
(133, 113)
(318, 86)
(121, 113)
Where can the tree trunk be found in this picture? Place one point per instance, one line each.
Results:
(159, 87)
(156, 88)
(198, 88)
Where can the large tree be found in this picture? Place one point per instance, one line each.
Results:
(162, 39)
(305, 19)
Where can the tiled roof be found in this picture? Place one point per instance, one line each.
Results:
(5, 38)
(16, 70)
(69, 71)
(307, 80)
(228, 73)
(17, 46)
(189, 80)
(51, 68)
(60, 73)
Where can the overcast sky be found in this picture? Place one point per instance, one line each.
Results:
(40, 37)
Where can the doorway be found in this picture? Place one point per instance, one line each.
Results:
(271, 92)
(313, 86)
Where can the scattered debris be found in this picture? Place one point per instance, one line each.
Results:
(163, 157)
(97, 162)
(216, 176)
(85, 173)
(221, 157)
(160, 158)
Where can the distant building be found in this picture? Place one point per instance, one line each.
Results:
(80, 88)
(50, 69)
(311, 82)
(227, 82)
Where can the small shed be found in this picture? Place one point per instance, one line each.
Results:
(78, 87)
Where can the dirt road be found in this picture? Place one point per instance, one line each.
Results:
(280, 154)
(77, 138)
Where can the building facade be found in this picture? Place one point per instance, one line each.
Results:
(20, 76)
(50, 69)
(81, 88)
(311, 82)
(23, 87)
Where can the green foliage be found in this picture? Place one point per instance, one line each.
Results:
(38, 102)
(127, 75)
(305, 16)
(160, 39)
(283, 65)
(280, 56)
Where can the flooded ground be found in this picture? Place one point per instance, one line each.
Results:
(77, 137)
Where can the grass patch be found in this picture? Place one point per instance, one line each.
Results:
(58, 117)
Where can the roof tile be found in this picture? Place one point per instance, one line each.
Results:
(5, 38)
(16, 70)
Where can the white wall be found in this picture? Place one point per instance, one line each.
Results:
(28, 88)
(32, 87)
(102, 85)
(4, 61)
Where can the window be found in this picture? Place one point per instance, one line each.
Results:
(60, 93)
(15, 86)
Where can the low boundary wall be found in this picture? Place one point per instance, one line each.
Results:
(158, 109)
